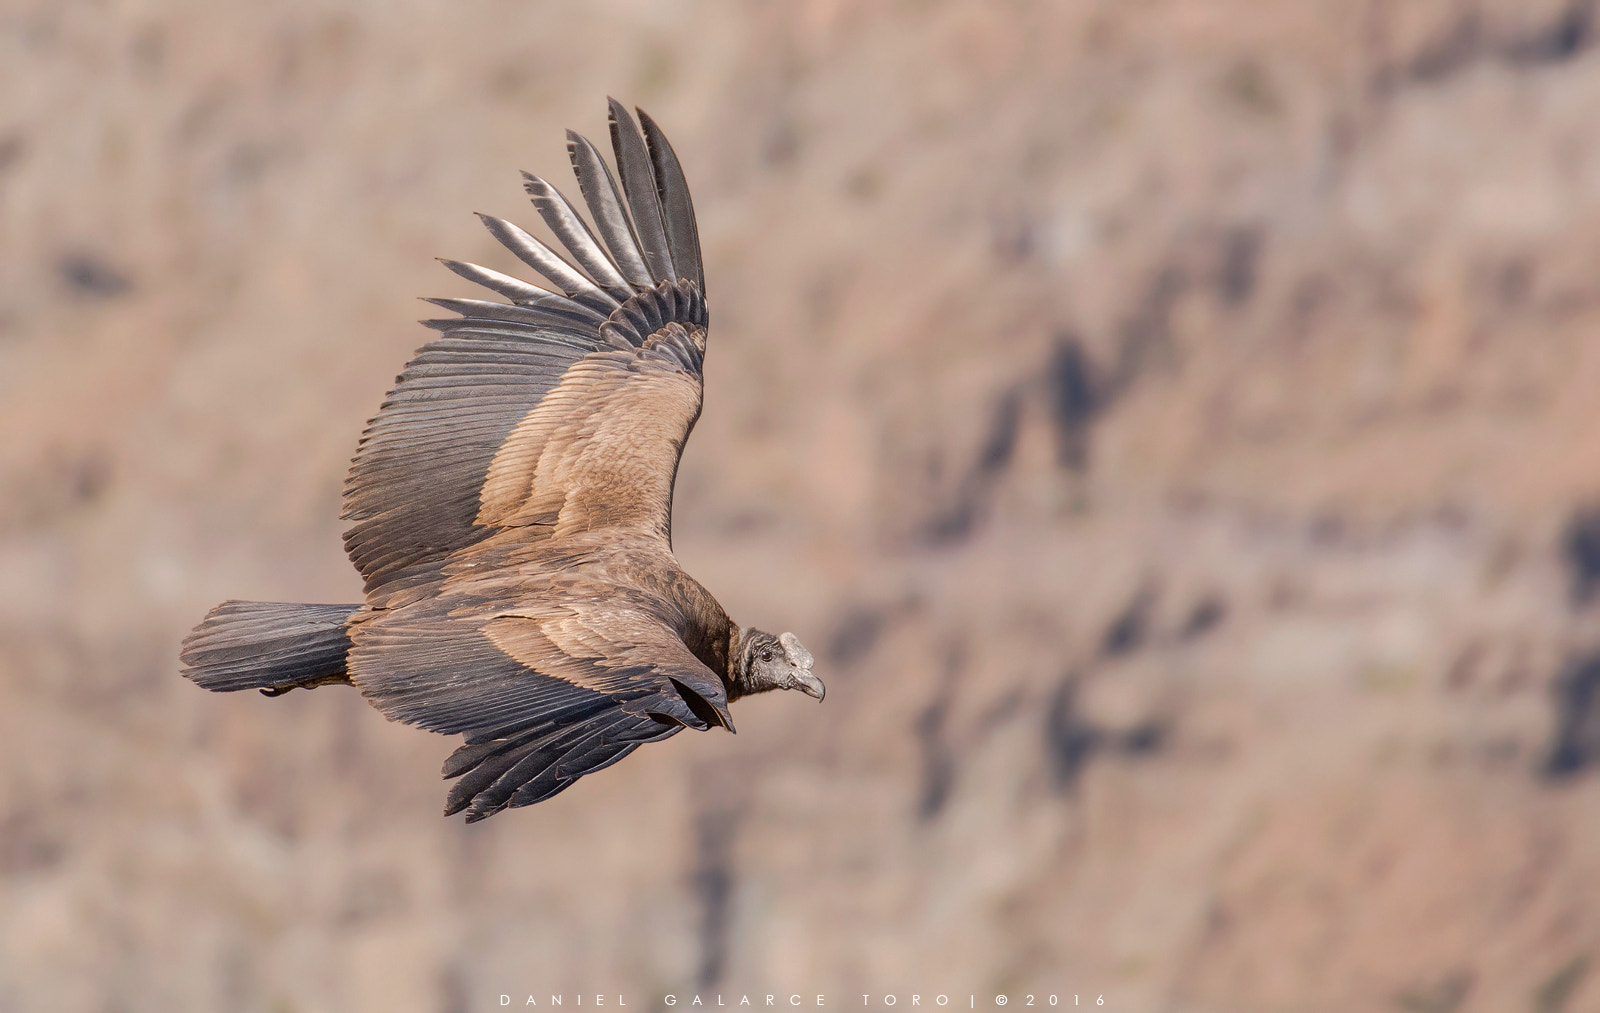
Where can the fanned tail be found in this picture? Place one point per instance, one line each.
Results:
(268, 646)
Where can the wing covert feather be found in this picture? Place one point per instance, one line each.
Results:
(515, 419)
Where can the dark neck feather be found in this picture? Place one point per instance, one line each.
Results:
(738, 660)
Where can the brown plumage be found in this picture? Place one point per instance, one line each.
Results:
(511, 509)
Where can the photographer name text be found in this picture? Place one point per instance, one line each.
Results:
(919, 1000)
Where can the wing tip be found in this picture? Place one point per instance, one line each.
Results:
(677, 205)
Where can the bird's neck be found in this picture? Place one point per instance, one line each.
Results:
(738, 664)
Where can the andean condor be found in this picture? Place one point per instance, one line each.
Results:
(511, 509)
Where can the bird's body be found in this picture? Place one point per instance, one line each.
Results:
(512, 508)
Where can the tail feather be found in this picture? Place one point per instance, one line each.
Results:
(268, 646)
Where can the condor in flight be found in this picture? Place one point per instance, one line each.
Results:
(511, 509)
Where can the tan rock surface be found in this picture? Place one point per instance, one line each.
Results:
(1168, 422)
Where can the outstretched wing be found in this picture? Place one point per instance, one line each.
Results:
(544, 691)
(566, 409)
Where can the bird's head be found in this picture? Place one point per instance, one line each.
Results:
(768, 662)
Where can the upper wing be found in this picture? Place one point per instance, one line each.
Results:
(544, 692)
(566, 409)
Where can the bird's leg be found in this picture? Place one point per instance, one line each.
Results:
(339, 678)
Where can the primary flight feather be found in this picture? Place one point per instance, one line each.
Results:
(511, 509)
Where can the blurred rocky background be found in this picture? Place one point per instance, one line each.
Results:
(1174, 425)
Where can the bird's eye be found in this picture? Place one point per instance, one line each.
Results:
(766, 655)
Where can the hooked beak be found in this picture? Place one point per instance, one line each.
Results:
(810, 685)
(801, 659)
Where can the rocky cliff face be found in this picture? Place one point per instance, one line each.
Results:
(1174, 423)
